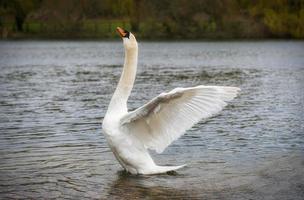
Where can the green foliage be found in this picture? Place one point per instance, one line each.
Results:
(298, 32)
(282, 18)
(17, 8)
(192, 19)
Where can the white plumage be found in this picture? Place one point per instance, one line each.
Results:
(158, 123)
(166, 117)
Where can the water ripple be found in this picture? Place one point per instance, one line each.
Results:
(54, 95)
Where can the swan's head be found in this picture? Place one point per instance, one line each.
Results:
(128, 38)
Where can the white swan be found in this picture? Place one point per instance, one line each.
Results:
(159, 122)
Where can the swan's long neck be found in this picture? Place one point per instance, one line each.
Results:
(126, 81)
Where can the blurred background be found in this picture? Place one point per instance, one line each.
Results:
(151, 19)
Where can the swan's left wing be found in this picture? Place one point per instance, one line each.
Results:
(166, 117)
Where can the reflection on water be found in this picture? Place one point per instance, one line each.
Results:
(131, 187)
(53, 96)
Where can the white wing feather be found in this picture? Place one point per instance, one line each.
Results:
(166, 117)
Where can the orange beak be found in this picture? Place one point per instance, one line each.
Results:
(121, 32)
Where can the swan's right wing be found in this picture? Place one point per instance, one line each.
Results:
(166, 117)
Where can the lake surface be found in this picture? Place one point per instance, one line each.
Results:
(54, 95)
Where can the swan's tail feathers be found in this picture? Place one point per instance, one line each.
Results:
(165, 169)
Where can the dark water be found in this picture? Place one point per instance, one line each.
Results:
(53, 96)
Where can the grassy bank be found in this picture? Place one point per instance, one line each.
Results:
(150, 30)
(84, 29)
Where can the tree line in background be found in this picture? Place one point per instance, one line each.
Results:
(153, 19)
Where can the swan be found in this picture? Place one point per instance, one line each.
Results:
(159, 122)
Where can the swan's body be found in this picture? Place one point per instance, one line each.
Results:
(159, 122)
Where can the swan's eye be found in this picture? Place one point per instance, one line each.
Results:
(127, 34)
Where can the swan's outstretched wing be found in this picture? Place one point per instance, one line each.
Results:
(166, 117)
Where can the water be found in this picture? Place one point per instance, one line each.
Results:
(54, 95)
